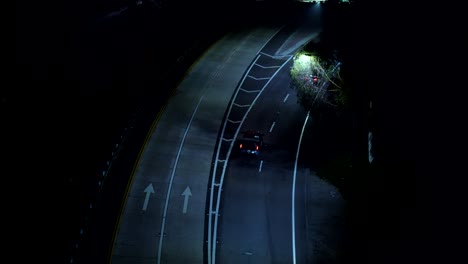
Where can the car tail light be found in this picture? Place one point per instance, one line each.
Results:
(240, 146)
(256, 147)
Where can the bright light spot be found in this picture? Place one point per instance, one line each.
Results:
(304, 59)
(312, 1)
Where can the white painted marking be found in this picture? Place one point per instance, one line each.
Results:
(169, 188)
(278, 57)
(267, 67)
(272, 126)
(212, 231)
(266, 42)
(254, 91)
(233, 121)
(285, 98)
(297, 43)
(240, 105)
(187, 193)
(261, 164)
(212, 234)
(293, 192)
(148, 190)
(369, 146)
(258, 79)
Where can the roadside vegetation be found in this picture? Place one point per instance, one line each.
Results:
(323, 92)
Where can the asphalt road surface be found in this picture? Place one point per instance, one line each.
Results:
(188, 200)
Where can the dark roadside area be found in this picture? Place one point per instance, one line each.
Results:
(96, 82)
(65, 117)
(118, 74)
(399, 209)
(93, 82)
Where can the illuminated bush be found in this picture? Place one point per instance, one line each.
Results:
(318, 81)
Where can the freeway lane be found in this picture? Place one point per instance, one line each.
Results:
(165, 216)
(255, 217)
(166, 223)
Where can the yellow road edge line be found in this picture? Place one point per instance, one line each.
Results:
(148, 135)
(130, 181)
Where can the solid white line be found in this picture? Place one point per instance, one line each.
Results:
(298, 44)
(212, 243)
(212, 234)
(169, 188)
(260, 168)
(272, 126)
(285, 98)
(369, 147)
(293, 193)
(272, 36)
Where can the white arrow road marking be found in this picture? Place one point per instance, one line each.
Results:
(148, 190)
(169, 188)
(186, 193)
